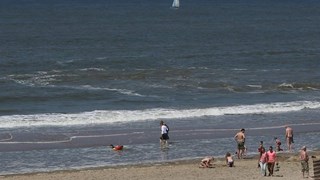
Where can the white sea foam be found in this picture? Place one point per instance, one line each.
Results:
(69, 139)
(286, 85)
(92, 69)
(254, 86)
(120, 116)
(239, 69)
(44, 80)
(41, 78)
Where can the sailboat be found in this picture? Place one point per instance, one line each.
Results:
(175, 4)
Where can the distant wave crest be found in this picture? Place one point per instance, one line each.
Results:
(299, 86)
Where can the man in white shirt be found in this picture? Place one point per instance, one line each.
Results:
(164, 133)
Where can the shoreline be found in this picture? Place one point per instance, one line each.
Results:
(180, 169)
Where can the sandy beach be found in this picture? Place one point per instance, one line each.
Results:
(290, 169)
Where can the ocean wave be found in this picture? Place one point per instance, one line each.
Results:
(254, 86)
(121, 91)
(251, 88)
(40, 79)
(299, 86)
(239, 69)
(92, 69)
(286, 85)
(45, 79)
(122, 116)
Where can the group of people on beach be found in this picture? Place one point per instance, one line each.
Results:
(267, 160)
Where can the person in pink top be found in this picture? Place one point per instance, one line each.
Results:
(271, 160)
(259, 150)
(263, 161)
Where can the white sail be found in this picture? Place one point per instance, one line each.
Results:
(175, 4)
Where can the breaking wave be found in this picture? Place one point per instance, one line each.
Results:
(122, 116)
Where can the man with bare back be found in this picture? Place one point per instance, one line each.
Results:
(289, 137)
(240, 138)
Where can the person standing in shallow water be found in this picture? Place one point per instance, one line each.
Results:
(240, 138)
(164, 133)
(289, 137)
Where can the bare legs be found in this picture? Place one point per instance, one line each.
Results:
(289, 145)
(163, 143)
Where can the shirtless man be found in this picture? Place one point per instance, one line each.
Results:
(304, 162)
(240, 138)
(289, 137)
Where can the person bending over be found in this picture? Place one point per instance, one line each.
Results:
(206, 162)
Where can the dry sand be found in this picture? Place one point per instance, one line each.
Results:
(180, 170)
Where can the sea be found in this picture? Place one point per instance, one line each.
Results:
(79, 75)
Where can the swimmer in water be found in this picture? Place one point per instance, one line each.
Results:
(117, 147)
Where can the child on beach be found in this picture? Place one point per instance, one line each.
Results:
(229, 160)
(206, 162)
(278, 144)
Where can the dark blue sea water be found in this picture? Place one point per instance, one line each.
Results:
(76, 76)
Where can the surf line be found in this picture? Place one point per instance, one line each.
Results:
(69, 139)
(282, 126)
(254, 128)
(8, 139)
